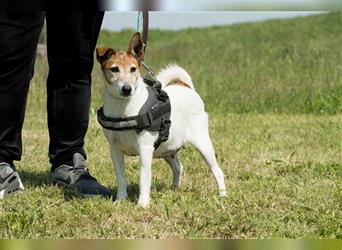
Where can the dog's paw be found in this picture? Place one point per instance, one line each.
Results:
(144, 203)
(223, 193)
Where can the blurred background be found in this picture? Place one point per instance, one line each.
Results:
(117, 21)
(220, 5)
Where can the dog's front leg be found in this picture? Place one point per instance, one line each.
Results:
(119, 165)
(146, 155)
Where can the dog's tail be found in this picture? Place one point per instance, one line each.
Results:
(173, 74)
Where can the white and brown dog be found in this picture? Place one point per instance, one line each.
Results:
(124, 95)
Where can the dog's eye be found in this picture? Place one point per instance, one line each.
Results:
(115, 69)
(133, 69)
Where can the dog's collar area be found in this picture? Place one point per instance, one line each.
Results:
(153, 116)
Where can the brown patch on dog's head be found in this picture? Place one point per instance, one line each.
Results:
(122, 58)
(133, 56)
(107, 57)
(103, 54)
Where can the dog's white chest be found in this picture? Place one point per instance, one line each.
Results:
(125, 141)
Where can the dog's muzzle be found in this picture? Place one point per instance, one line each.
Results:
(126, 90)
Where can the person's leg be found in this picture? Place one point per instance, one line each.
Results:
(71, 40)
(19, 34)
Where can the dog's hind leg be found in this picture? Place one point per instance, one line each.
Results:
(205, 147)
(119, 165)
(198, 136)
(176, 168)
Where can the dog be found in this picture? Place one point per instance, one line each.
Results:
(124, 95)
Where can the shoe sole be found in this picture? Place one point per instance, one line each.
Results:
(14, 186)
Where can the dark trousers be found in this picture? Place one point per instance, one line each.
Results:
(71, 40)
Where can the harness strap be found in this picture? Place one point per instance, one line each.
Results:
(138, 122)
(163, 133)
(133, 122)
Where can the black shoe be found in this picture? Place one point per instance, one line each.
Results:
(78, 178)
(10, 182)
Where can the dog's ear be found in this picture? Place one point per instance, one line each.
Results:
(103, 54)
(136, 46)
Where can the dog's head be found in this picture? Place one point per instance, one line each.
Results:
(122, 69)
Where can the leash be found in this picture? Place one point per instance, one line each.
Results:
(142, 27)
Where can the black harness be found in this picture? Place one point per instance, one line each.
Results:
(153, 116)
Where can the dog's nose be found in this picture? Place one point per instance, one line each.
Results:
(126, 90)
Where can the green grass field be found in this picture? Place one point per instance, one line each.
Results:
(273, 91)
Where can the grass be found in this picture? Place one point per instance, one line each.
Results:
(273, 91)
